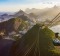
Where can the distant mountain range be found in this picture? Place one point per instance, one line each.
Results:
(9, 13)
(11, 22)
(44, 14)
(33, 14)
(20, 14)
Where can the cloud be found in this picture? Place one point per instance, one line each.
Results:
(15, 5)
(14, 8)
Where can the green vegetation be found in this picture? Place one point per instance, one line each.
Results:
(45, 40)
(24, 25)
(36, 42)
(20, 24)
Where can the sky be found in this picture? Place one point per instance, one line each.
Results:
(15, 5)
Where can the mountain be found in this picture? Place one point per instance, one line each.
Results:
(9, 25)
(44, 14)
(32, 15)
(9, 13)
(33, 10)
(36, 42)
(19, 13)
(24, 16)
(37, 12)
(50, 13)
(5, 17)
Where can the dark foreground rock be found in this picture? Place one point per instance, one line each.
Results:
(5, 46)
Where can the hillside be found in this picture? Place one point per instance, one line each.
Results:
(37, 41)
(14, 22)
(10, 25)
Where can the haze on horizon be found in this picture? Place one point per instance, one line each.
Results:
(15, 5)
